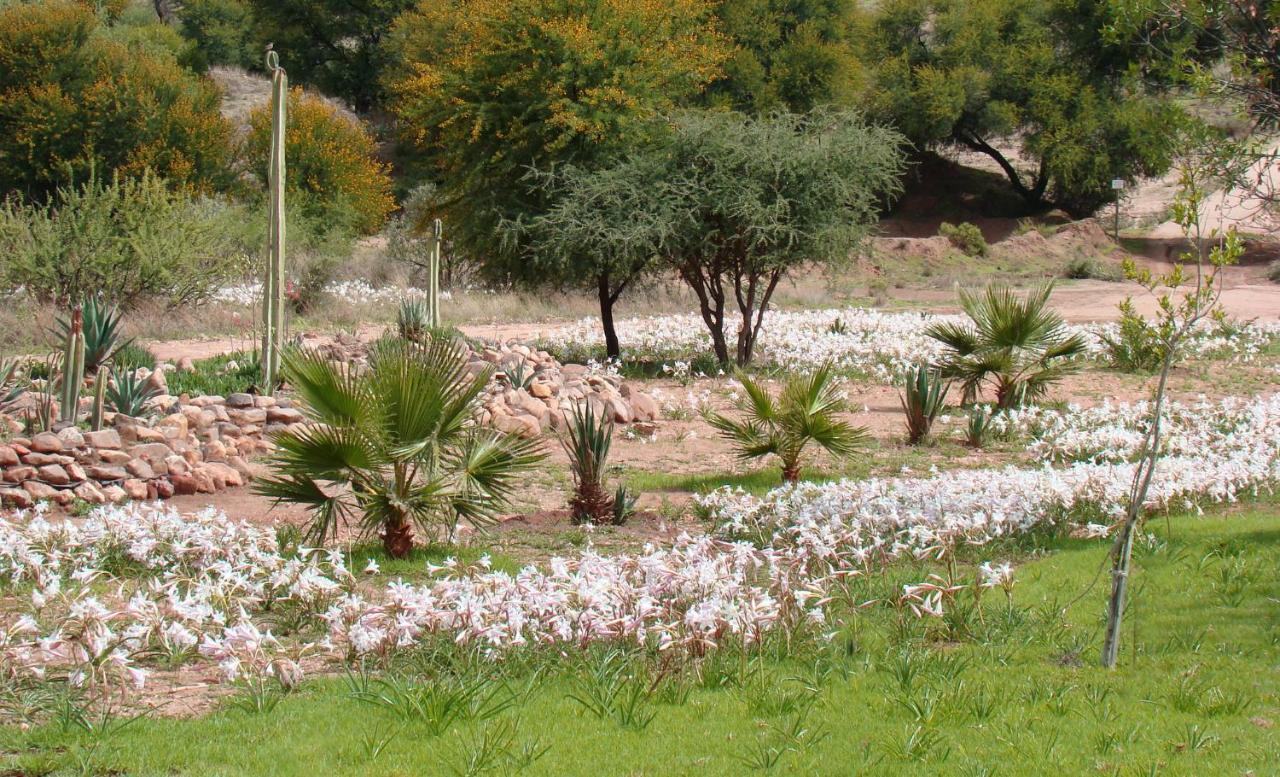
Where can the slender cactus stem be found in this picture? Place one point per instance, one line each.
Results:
(273, 283)
(72, 368)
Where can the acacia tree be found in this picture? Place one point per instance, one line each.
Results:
(497, 95)
(1081, 108)
(732, 204)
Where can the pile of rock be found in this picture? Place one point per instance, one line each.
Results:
(547, 390)
(200, 445)
(550, 390)
(204, 444)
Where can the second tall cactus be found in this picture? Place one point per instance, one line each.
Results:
(273, 283)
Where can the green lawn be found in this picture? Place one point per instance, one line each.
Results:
(1011, 691)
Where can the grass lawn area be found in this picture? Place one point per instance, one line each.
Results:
(1001, 689)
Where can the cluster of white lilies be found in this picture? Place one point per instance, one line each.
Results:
(879, 344)
(107, 598)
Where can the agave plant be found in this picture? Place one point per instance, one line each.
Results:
(979, 427)
(101, 331)
(587, 441)
(804, 413)
(1018, 345)
(393, 448)
(413, 320)
(923, 397)
(10, 387)
(128, 394)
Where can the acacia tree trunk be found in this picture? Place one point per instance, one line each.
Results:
(612, 348)
(1033, 194)
(709, 290)
(752, 304)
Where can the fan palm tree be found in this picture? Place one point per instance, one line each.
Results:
(394, 446)
(804, 413)
(1018, 345)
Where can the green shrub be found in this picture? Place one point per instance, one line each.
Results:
(1090, 268)
(333, 172)
(964, 236)
(131, 356)
(126, 240)
(78, 97)
(1137, 346)
(221, 33)
(230, 373)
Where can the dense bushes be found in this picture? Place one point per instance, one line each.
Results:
(220, 32)
(125, 239)
(75, 100)
(964, 236)
(332, 170)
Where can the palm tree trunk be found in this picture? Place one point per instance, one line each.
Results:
(397, 538)
(791, 473)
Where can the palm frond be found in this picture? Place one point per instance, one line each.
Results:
(331, 394)
(328, 511)
(758, 402)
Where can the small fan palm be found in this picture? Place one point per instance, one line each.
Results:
(1018, 345)
(394, 447)
(805, 412)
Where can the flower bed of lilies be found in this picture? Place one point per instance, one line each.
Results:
(881, 345)
(99, 601)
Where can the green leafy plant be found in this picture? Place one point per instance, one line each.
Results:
(413, 320)
(10, 387)
(804, 413)
(1019, 346)
(1089, 268)
(128, 394)
(101, 330)
(923, 397)
(230, 373)
(1138, 345)
(519, 375)
(394, 445)
(587, 441)
(624, 505)
(979, 427)
(964, 236)
(130, 356)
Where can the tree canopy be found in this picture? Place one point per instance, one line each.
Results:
(787, 54)
(76, 100)
(495, 94)
(952, 72)
(733, 203)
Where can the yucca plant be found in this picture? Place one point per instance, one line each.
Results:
(923, 397)
(804, 413)
(128, 394)
(392, 447)
(587, 441)
(413, 320)
(100, 327)
(1018, 345)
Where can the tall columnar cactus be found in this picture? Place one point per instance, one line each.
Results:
(433, 273)
(100, 380)
(273, 284)
(72, 368)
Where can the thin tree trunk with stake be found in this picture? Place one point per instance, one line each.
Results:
(1179, 321)
(273, 283)
(433, 273)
